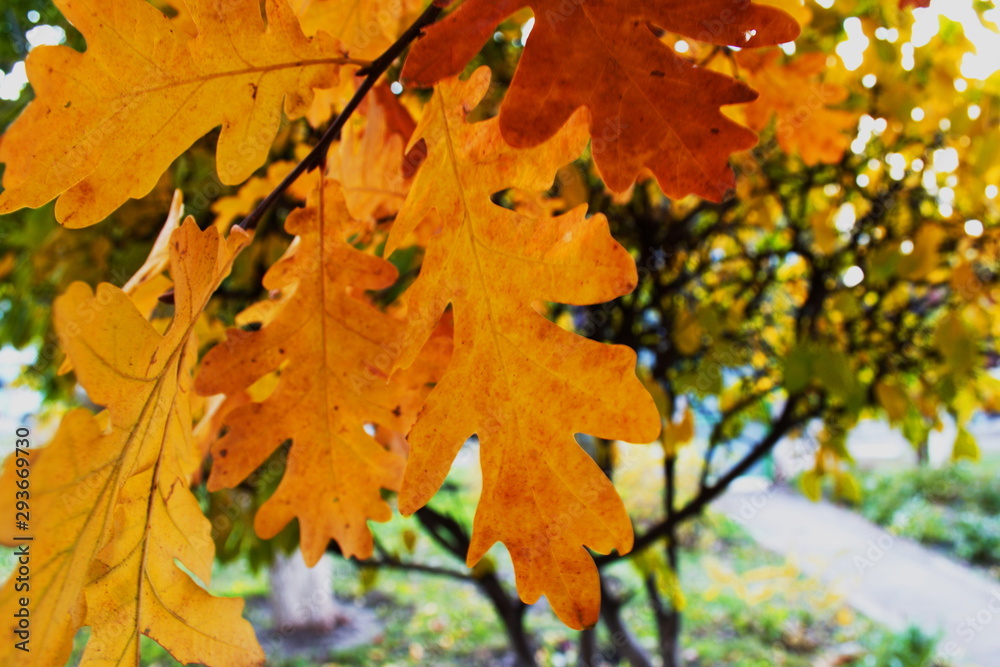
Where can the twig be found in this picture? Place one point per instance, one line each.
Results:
(695, 507)
(317, 156)
(396, 564)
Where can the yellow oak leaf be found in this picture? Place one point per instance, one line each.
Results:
(893, 398)
(365, 28)
(518, 381)
(688, 334)
(122, 516)
(335, 351)
(70, 496)
(811, 485)
(106, 123)
(794, 94)
(926, 253)
(677, 434)
(965, 446)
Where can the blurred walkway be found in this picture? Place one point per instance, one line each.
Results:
(892, 580)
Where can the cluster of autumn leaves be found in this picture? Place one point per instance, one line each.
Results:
(372, 399)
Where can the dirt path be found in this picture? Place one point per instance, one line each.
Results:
(890, 579)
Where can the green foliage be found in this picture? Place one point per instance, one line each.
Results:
(954, 507)
(921, 521)
(978, 538)
(909, 648)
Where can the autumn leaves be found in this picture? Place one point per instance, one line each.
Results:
(112, 489)
(518, 381)
(649, 107)
(108, 122)
(326, 342)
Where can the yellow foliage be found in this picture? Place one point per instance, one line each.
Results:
(106, 123)
(130, 514)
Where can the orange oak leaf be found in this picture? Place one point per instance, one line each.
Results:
(795, 95)
(517, 380)
(149, 282)
(106, 123)
(369, 160)
(335, 351)
(648, 106)
(120, 513)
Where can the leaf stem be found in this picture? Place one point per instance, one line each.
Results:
(317, 156)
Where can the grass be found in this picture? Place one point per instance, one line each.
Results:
(955, 508)
(744, 607)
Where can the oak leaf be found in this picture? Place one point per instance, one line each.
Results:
(517, 380)
(121, 517)
(70, 496)
(369, 162)
(335, 351)
(796, 97)
(366, 28)
(649, 107)
(106, 123)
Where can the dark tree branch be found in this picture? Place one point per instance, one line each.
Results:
(450, 534)
(396, 564)
(317, 156)
(695, 506)
(624, 642)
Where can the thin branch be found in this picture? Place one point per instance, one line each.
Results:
(696, 505)
(417, 567)
(317, 156)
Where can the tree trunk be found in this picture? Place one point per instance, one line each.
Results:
(670, 638)
(923, 453)
(668, 620)
(302, 597)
